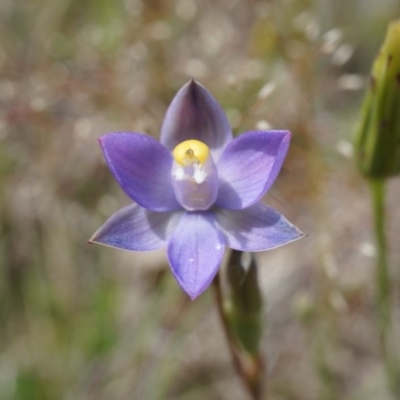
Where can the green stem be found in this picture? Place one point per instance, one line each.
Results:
(250, 370)
(383, 285)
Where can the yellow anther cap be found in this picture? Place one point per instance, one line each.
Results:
(191, 152)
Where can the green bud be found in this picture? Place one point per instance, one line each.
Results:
(245, 307)
(378, 141)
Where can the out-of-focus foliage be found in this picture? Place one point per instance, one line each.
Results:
(378, 139)
(85, 322)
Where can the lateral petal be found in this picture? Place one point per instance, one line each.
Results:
(249, 166)
(142, 167)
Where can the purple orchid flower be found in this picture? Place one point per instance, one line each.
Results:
(196, 191)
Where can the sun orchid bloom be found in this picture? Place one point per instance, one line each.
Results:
(196, 191)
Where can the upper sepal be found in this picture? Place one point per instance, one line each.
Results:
(195, 114)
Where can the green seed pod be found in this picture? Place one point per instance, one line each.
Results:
(377, 144)
(245, 309)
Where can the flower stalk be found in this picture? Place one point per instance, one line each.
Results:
(245, 306)
(240, 315)
(378, 157)
(383, 285)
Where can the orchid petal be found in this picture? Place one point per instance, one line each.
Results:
(256, 228)
(195, 251)
(135, 228)
(195, 114)
(142, 167)
(249, 166)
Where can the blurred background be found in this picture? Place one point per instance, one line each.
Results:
(79, 321)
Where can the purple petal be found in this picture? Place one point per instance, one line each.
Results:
(195, 114)
(142, 167)
(135, 228)
(249, 166)
(195, 251)
(256, 228)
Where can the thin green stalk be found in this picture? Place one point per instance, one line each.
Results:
(250, 370)
(383, 285)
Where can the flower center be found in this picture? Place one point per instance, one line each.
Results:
(194, 175)
(191, 152)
